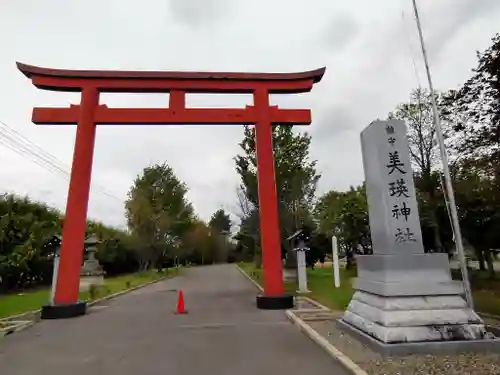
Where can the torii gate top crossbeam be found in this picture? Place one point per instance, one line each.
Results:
(177, 84)
(165, 81)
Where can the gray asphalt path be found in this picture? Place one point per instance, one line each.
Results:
(223, 333)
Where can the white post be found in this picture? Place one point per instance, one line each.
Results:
(335, 259)
(54, 278)
(302, 269)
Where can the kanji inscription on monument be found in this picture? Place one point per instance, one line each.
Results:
(390, 189)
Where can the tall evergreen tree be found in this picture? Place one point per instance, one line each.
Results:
(220, 222)
(296, 181)
(475, 110)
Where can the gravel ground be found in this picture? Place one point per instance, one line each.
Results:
(374, 364)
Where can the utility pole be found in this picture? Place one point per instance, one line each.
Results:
(446, 170)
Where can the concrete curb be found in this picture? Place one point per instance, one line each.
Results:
(125, 291)
(35, 314)
(340, 357)
(32, 315)
(16, 326)
(311, 301)
(315, 303)
(255, 283)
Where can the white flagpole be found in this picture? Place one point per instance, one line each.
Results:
(446, 170)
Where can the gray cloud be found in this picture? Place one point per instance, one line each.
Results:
(453, 16)
(441, 21)
(340, 31)
(197, 13)
(334, 122)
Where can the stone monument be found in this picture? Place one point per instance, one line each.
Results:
(405, 300)
(91, 272)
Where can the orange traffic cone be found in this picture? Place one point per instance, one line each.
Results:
(180, 303)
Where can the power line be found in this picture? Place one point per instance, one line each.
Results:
(10, 142)
(21, 145)
(412, 54)
(33, 146)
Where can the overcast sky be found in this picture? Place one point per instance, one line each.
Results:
(367, 46)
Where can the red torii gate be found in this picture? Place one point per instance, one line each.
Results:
(90, 113)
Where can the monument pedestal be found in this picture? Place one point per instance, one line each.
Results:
(91, 272)
(410, 298)
(87, 280)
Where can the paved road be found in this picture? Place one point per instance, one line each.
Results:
(138, 334)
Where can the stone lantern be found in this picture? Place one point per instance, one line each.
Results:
(91, 272)
(300, 242)
(56, 244)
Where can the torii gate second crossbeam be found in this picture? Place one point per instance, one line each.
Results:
(90, 113)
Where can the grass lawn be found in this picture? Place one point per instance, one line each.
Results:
(18, 303)
(486, 292)
(320, 282)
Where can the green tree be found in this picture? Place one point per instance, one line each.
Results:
(220, 222)
(345, 215)
(320, 246)
(248, 239)
(116, 251)
(220, 228)
(475, 110)
(327, 212)
(478, 204)
(29, 233)
(296, 181)
(198, 244)
(158, 214)
(419, 119)
(353, 229)
(26, 228)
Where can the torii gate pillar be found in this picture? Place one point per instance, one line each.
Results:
(90, 113)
